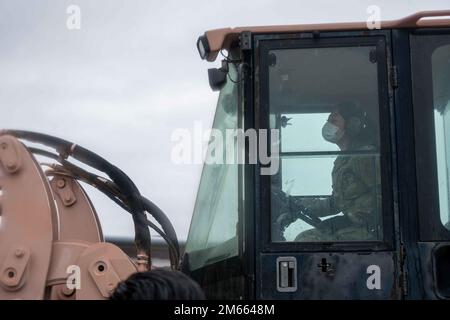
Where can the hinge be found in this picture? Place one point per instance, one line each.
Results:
(245, 40)
(394, 77)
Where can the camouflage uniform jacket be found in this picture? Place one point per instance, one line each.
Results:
(356, 192)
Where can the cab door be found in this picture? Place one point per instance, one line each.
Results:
(427, 226)
(325, 221)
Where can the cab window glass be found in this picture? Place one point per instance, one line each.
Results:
(441, 97)
(213, 233)
(324, 101)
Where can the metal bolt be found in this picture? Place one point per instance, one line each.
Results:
(61, 183)
(10, 166)
(19, 253)
(67, 291)
(110, 287)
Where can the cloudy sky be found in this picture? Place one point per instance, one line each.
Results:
(131, 75)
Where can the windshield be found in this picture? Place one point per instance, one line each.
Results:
(213, 232)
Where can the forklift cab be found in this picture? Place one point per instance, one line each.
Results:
(355, 124)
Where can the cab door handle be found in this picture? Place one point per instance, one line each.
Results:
(286, 274)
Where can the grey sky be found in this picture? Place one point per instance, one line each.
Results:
(124, 82)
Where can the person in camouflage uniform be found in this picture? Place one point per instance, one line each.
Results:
(356, 183)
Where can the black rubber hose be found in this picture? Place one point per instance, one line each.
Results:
(170, 235)
(126, 185)
(163, 220)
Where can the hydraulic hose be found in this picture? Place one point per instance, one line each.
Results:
(124, 183)
(169, 234)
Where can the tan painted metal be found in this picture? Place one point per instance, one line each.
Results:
(103, 266)
(26, 231)
(76, 215)
(50, 234)
(65, 255)
(219, 39)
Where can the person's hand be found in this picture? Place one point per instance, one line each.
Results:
(305, 209)
(284, 220)
(296, 205)
(281, 223)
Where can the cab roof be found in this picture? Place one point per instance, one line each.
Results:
(219, 39)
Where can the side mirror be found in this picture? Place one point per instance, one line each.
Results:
(218, 76)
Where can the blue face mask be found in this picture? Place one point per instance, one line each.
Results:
(331, 132)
